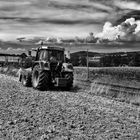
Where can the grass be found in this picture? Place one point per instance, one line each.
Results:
(124, 76)
(118, 72)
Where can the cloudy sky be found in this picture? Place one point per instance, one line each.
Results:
(62, 18)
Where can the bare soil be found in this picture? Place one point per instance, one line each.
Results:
(28, 114)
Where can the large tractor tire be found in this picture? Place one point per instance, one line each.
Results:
(26, 80)
(40, 79)
(69, 77)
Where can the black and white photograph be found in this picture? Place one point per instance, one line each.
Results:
(69, 69)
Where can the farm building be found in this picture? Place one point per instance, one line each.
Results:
(8, 59)
(106, 59)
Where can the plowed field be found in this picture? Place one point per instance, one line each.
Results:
(28, 114)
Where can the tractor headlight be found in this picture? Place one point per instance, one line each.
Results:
(70, 67)
(46, 65)
(67, 67)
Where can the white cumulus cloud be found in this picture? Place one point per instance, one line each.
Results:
(129, 30)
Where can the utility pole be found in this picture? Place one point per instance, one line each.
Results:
(87, 66)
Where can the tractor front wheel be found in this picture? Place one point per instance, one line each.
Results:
(40, 79)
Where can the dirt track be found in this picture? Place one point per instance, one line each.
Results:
(28, 114)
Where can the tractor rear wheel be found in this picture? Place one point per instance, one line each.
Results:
(26, 80)
(40, 79)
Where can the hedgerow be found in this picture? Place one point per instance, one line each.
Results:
(117, 72)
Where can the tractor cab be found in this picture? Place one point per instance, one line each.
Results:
(46, 53)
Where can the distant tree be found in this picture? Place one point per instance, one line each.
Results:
(82, 61)
(76, 39)
(100, 40)
(91, 38)
(51, 40)
(23, 55)
(79, 40)
(20, 39)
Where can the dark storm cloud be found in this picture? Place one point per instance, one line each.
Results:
(110, 1)
(132, 14)
(77, 7)
(61, 16)
(51, 21)
(6, 8)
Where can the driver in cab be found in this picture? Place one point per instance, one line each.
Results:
(53, 58)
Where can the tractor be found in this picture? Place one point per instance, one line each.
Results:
(48, 69)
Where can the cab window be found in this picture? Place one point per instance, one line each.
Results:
(43, 55)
